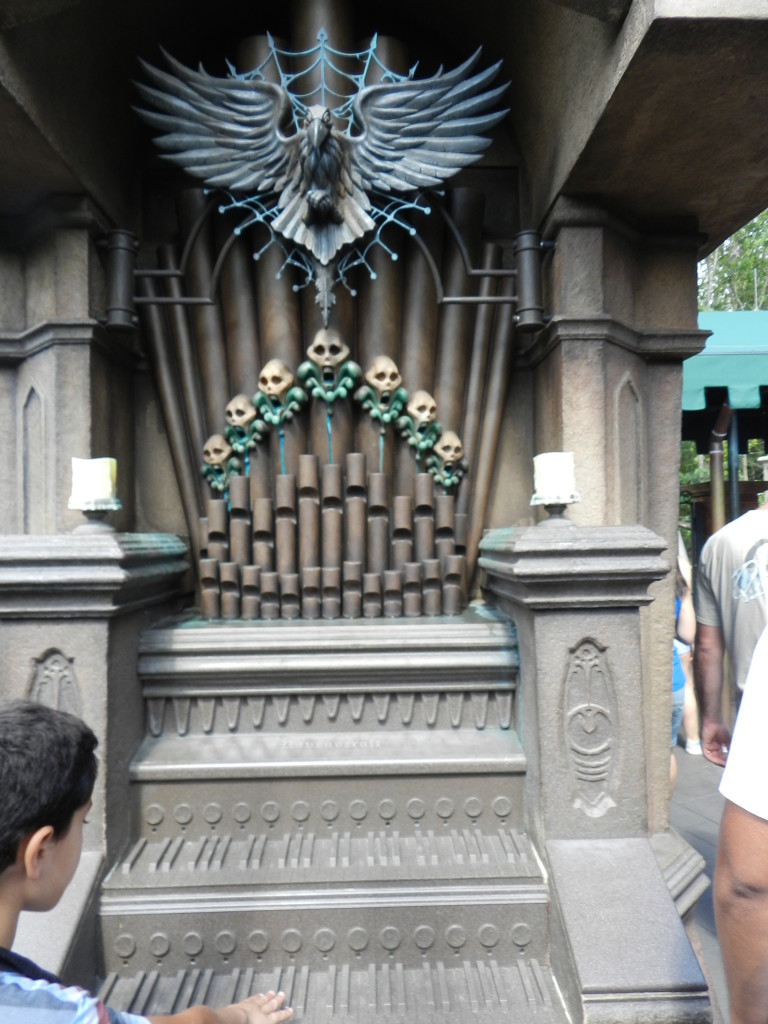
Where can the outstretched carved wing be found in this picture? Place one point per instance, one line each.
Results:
(226, 131)
(415, 133)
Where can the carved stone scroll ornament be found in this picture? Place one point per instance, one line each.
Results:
(590, 726)
(319, 170)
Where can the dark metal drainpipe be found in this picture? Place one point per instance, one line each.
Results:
(733, 466)
(716, 481)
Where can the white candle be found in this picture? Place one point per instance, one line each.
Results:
(94, 481)
(554, 477)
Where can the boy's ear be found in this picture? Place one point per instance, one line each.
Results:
(31, 857)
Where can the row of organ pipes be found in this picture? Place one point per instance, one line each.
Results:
(329, 546)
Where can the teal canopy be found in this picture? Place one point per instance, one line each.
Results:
(735, 357)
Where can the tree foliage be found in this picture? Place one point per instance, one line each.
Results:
(735, 275)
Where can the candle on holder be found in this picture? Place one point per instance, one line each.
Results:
(554, 482)
(94, 491)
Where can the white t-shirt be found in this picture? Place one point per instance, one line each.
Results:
(745, 777)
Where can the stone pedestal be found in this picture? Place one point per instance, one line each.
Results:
(575, 595)
(72, 607)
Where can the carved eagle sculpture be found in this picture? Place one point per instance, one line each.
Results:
(412, 134)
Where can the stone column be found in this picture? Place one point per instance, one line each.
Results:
(72, 607)
(607, 378)
(575, 594)
(66, 382)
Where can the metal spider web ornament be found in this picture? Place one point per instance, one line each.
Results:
(318, 168)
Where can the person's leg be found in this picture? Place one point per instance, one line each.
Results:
(690, 708)
(741, 912)
(677, 717)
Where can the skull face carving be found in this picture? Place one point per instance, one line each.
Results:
(275, 379)
(449, 449)
(422, 409)
(384, 377)
(240, 412)
(217, 450)
(328, 352)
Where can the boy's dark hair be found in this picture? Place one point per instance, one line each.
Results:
(47, 771)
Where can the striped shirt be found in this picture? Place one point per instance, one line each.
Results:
(29, 995)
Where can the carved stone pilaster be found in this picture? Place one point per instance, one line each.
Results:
(574, 594)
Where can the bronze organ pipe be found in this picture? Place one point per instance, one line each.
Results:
(218, 533)
(186, 360)
(352, 593)
(253, 51)
(393, 594)
(209, 331)
(444, 543)
(332, 512)
(453, 585)
(355, 509)
(419, 335)
(412, 572)
(260, 472)
(153, 326)
(210, 595)
(311, 592)
(379, 335)
(378, 525)
(493, 404)
(460, 527)
(478, 367)
(250, 605)
(240, 527)
(331, 606)
(290, 607)
(309, 513)
(423, 517)
(229, 575)
(402, 531)
(202, 538)
(263, 535)
(280, 337)
(456, 320)
(341, 422)
(371, 595)
(285, 524)
(336, 18)
(239, 310)
(432, 598)
(270, 595)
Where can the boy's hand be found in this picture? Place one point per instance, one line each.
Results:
(263, 1008)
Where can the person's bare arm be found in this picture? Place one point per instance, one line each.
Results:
(741, 911)
(264, 1008)
(708, 654)
(685, 627)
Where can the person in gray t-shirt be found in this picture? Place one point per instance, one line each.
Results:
(731, 600)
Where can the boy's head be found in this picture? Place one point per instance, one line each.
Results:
(47, 772)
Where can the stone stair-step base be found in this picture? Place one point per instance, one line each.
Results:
(403, 923)
(435, 993)
(332, 858)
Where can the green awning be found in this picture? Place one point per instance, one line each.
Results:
(735, 357)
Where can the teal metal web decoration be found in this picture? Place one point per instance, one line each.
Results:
(385, 210)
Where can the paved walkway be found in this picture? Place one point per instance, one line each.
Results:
(695, 811)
